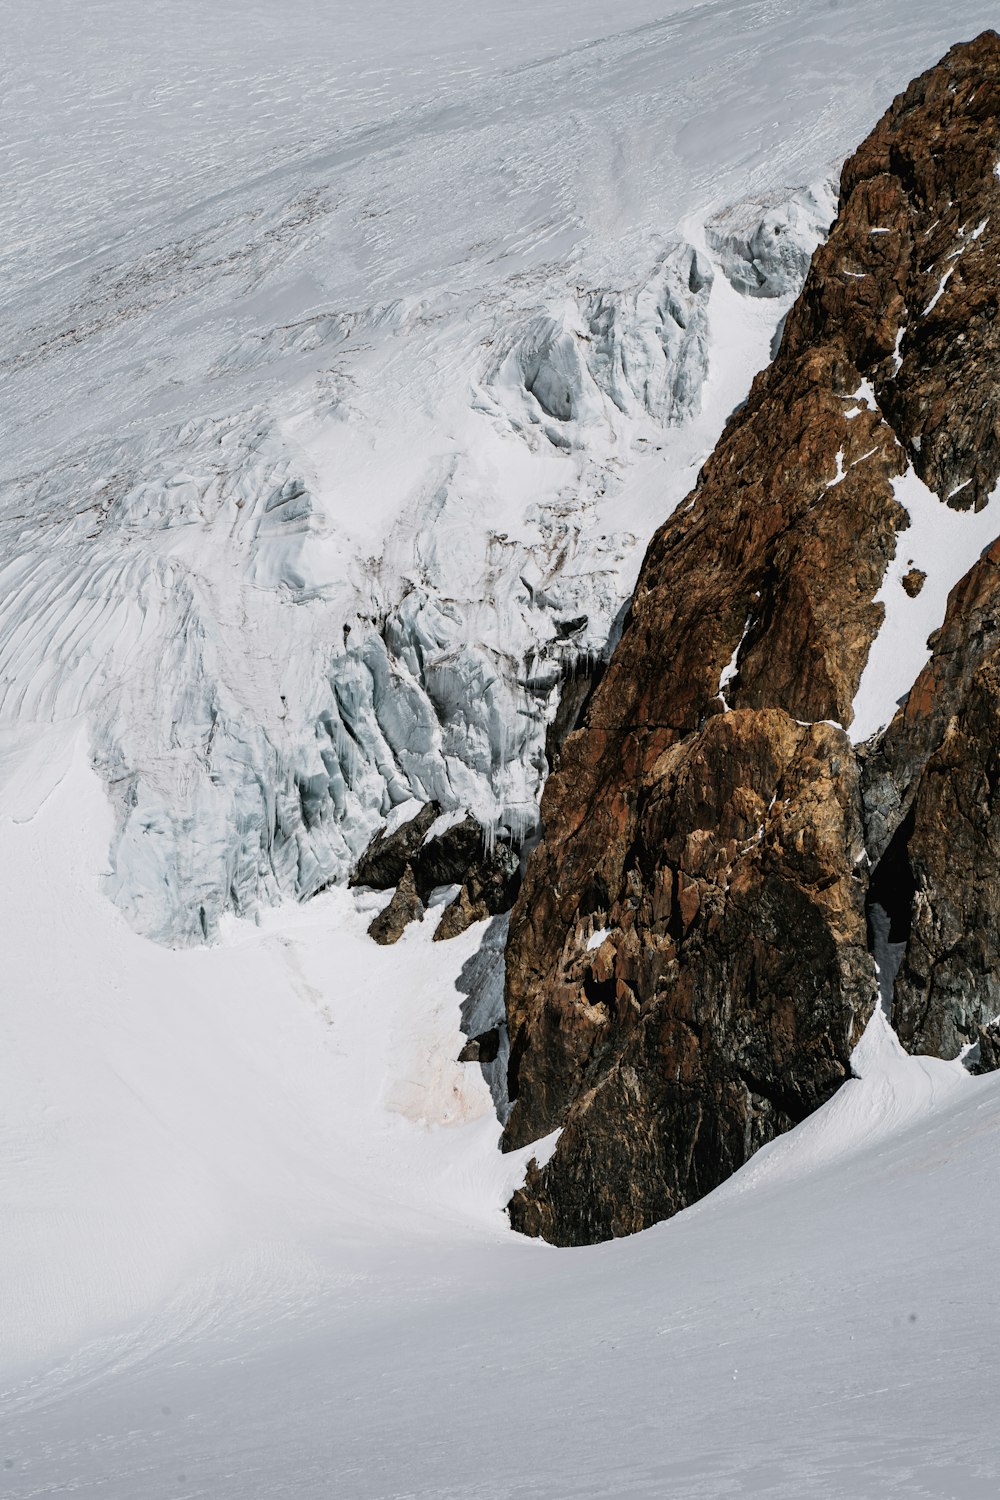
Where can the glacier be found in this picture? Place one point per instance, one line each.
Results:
(349, 362)
(312, 530)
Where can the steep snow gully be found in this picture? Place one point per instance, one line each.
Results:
(348, 368)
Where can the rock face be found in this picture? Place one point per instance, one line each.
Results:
(688, 966)
(488, 888)
(385, 860)
(417, 858)
(404, 907)
(722, 1006)
(933, 802)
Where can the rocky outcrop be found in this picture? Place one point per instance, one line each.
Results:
(719, 1000)
(932, 790)
(687, 967)
(484, 1048)
(488, 888)
(384, 862)
(431, 851)
(404, 907)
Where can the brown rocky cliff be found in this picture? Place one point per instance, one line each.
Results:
(709, 822)
(932, 796)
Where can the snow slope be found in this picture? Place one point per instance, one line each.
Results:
(236, 1106)
(314, 321)
(253, 1242)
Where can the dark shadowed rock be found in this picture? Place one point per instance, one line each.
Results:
(405, 906)
(488, 889)
(484, 1048)
(383, 862)
(988, 1038)
(446, 859)
(417, 863)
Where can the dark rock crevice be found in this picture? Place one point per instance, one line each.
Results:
(889, 909)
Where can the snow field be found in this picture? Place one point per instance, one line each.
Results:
(253, 1237)
(236, 1106)
(272, 282)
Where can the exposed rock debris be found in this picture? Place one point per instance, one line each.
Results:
(688, 968)
(416, 860)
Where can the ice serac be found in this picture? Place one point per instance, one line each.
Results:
(708, 813)
(765, 246)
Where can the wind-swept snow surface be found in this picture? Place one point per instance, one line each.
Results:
(253, 1245)
(349, 362)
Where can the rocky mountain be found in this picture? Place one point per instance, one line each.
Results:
(739, 847)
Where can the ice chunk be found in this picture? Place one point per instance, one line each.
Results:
(765, 245)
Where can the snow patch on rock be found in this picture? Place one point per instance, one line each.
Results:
(942, 543)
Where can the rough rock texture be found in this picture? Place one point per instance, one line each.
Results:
(416, 860)
(687, 968)
(489, 887)
(932, 791)
(387, 856)
(484, 1048)
(723, 1005)
(988, 1040)
(405, 906)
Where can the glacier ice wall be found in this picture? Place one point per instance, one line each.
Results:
(322, 482)
(608, 355)
(283, 621)
(764, 245)
(255, 725)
